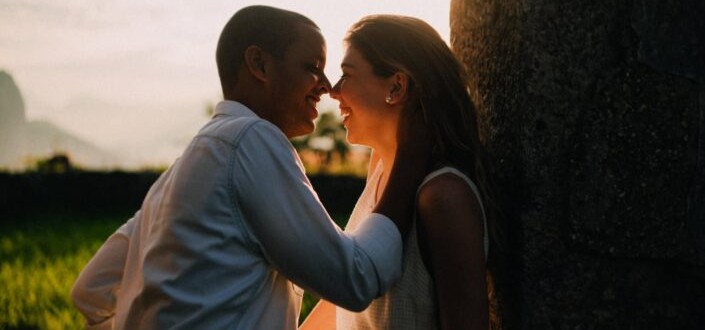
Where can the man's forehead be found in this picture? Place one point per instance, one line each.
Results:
(310, 40)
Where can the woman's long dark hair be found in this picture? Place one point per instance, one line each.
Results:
(437, 86)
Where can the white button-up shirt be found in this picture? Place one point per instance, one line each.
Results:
(224, 232)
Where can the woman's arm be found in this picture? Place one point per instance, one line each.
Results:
(451, 240)
(322, 317)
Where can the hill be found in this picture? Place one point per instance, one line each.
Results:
(23, 141)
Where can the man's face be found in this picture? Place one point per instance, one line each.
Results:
(298, 83)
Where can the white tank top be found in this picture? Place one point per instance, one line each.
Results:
(410, 304)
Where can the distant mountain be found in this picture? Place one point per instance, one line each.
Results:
(22, 142)
(11, 102)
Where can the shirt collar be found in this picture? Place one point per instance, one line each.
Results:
(233, 108)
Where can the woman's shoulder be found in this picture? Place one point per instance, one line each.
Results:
(448, 191)
(447, 177)
(444, 187)
(449, 214)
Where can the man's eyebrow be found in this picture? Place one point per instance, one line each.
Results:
(319, 61)
(346, 65)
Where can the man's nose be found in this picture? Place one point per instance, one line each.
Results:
(325, 84)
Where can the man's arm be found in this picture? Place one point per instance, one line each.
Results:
(95, 291)
(291, 228)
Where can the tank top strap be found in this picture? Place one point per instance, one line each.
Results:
(458, 173)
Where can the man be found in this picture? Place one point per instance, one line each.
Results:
(230, 225)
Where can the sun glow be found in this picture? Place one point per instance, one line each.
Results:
(134, 78)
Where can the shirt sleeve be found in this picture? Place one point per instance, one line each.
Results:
(296, 235)
(95, 291)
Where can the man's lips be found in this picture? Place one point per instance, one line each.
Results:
(313, 100)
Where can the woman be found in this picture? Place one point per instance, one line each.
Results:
(395, 64)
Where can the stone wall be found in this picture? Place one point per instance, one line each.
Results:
(594, 113)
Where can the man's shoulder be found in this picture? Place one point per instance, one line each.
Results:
(241, 124)
(235, 128)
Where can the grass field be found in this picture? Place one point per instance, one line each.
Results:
(40, 257)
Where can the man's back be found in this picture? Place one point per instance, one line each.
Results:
(190, 261)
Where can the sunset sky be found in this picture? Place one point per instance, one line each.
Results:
(135, 77)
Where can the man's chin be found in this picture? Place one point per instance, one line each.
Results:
(301, 131)
(313, 112)
(308, 129)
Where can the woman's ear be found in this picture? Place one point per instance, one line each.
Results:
(399, 92)
(256, 61)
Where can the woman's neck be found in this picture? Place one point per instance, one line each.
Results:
(386, 155)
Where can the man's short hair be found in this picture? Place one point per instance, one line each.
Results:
(272, 29)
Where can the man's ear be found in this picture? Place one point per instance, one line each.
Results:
(256, 61)
(399, 91)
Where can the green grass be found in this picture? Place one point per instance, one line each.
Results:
(40, 258)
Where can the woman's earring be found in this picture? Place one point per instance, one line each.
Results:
(388, 99)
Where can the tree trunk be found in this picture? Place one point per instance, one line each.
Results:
(594, 114)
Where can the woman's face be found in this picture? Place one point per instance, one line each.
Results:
(369, 120)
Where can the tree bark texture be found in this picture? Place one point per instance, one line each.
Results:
(594, 115)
